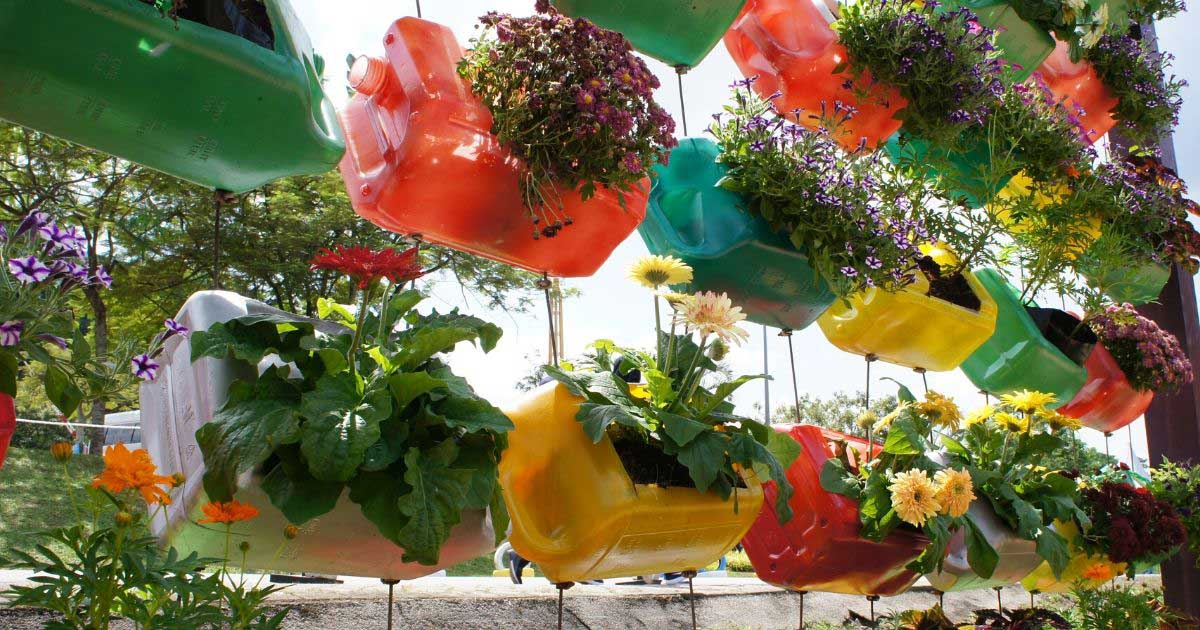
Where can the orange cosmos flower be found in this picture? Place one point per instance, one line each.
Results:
(1099, 572)
(125, 470)
(228, 512)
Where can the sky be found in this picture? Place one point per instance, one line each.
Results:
(610, 306)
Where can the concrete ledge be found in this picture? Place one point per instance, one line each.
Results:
(497, 604)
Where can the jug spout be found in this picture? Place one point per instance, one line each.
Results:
(368, 75)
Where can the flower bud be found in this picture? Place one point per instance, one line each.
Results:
(61, 451)
(177, 480)
(291, 532)
(124, 519)
(244, 547)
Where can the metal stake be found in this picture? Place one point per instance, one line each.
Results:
(679, 71)
(391, 584)
(1106, 436)
(802, 594)
(418, 8)
(766, 383)
(562, 587)
(1031, 594)
(787, 332)
(999, 602)
(544, 284)
(1129, 433)
(924, 380)
(941, 599)
(690, 575)
(870, 445)
(873, 599)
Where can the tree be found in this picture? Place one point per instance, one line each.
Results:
(1078, 456)
(839, 412)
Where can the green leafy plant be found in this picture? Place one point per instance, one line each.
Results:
(667, 414)
(365, 405)
(903, 486)
(858, 223)
(1148, 97)
(1020, 619)
(942, 62)
(1003, 448)
(1179, 485)
(1077, 22)
(1124, 605)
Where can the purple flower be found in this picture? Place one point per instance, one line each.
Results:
(32, 221)
(28, 269)
(10, 332)
(632, 162)
(57, 237)
(54, 339)
(3, 235)
(175, 328)
(144, 367)
(102, 277)
(757, 145)
(873, 262)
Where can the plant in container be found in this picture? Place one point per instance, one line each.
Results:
(1134, 359)
(628, 464)
(879, 65)
(351, 427)
(1128, 525)
(1002, 448)
(821, 548)
(1078, 23)
(1179, 486)
(904, 487)
(1033, 348)
(680, 33)
(43, 270)
(226, 102)
(549, 120)
(935, 323)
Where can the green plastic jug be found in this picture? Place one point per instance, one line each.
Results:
(964, 166)
(1018, 356)
(1019, 42)
(676, 32)
(180, 97)
(730, 250)
(1135, 285)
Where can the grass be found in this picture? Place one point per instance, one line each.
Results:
(481, 566)
(33, 497)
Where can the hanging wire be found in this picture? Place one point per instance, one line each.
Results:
(766, 383)
(418, 8)
(1129, 432)
(679, 70)
(924, 380)
(544, 284)
(1106, 436)
(802, 594)
(867, 403)
(391, 584)
(692, 595)
(999, 602)
(787, 332)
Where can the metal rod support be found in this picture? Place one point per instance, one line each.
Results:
(691, 575)
(802, 594)
(924, 379)
(766, 382)
(787, 332)
(418, 8)
(999, 602)
(544, 284)
(391, 584)
(679, 71)
(872, 599)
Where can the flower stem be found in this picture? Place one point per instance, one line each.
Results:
(71, 493)
(362, 318)
(658, 344)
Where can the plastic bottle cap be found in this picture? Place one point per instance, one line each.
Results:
(368, 75)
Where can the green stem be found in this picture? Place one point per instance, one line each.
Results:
(71, 494)
(361, 319)
(690, 379)
(670, 351)
(658, 345)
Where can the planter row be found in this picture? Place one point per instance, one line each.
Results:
(575, 511)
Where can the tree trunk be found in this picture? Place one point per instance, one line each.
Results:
(100, 349)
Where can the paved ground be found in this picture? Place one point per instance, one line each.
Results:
(496, 604)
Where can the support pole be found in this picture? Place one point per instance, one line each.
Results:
(544, 284)
(1106, 436)
(872, 599)
(802, 594)
(766, 382)
(924, 379)
(679, 72)
(418, 8)
(391, 584)
(999, 601)
(871, 358)
(787, 332)
(691, 576)
(562, 586)
(221, 198)
(942, 599)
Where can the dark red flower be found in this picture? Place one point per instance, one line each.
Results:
(368, 266)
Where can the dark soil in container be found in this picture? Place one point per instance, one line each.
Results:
(953, 289)
(1072, 337)
(646, 463)
(245, 18)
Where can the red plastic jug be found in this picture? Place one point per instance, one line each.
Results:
(820, 549)
(1107, 401)
(422, 160)
(790, 47)
(8, 424)
(1077, 86)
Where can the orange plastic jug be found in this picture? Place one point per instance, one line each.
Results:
(1107, 401)
(790, 47)
(422, 160)
(820, 549)
(577, 515)
(1076, 85)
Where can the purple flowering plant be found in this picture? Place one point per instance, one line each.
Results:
(1138, 77)
(1077, 22)
(859, 223)
(572, 101)
(42, 268)
(943, 62)
(1150, 357)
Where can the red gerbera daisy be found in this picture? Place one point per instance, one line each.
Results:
(368, 266)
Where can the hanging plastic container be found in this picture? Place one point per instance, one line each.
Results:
(1020, 43)
(1018, 356)
(8, 424)
(187, 99)
(820, 548)
(676, 32)
(1107, 401)
(965, 166)
(1087, 571)
(730, 250)
(1134, 285)
(577, 515)
(183, 397)
(909, 327)
(1082, 235)
(1076, 85)
(422, 161)
(790, 47)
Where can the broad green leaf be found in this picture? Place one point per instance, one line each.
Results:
(473, 414)
(1053, 549)
(477, 454)
(785, 449)
(378, 495)
(237, 339)
(682, 430)
(939, 536)
(500, 518)
(954, 446)
(380, 359)
(341, 423)
(296, 493)
(393, 440)
(903, 393)
(836, 479)
(776, 471)
(328, 309)
(573, 385)
(8, 373)
(660, 386)
(980, 554)
(62, 391)
(409, 386)
(904, 439)
(435, 504)
(419, 344)
(704, 457)
(725, 390)
(596, 418)
(256, 420)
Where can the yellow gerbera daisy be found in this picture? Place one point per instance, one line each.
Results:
(674, 299)
(980, 416)
(941, 411)
(654, 271)
(914, 497)
(1058, 421)
(887, 420)
(955, 491)
(1026, 401)
(866, 419)
(1011, 423)
(713, 314)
